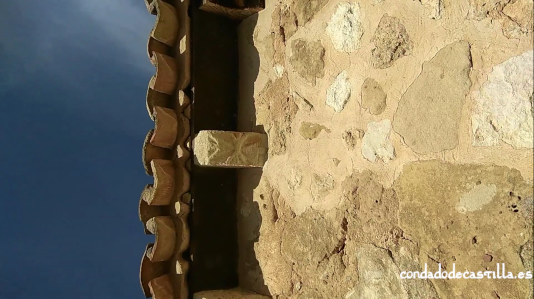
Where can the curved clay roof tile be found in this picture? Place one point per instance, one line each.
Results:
(155, 98)
(151, 152)
(182, 101)
(163, 228)
(147, 211)
(182, 181)
(150, 270)
(166, 127)
(184, 130)
(154, 45)
(166, 28)
(164, 182)
(161, 287)
(165, 78)
(182, 235)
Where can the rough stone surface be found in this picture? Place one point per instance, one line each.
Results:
(318, 214)
(321, 186)
(379, 276)
(302, 103)
(391, 42)
(308, 59)
(339, 92)
(504, 105)
(305, 10)
(370, 210)
(476, 198)
(429, 112)
(515, 16)
(345, 28)
(376, 143)
(310, 130)
(311, 245)
(351, 137)
(373, 96)
(230, 149)
(276, 109)
(429, 193)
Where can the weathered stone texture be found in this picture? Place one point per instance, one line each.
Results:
(275, 108)
(516, 17)
(379, 276)
(376, 143)
(503, 106)
(351, 137)
(339, 92)
(429, 195)
(230, 149)
(391, 42)
(345, 28)
(373, 96)
(310, 130)
(308, 59)
(429, 112)
(306, 10)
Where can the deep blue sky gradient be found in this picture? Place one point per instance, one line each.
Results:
(73, 79)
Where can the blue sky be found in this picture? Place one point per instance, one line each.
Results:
(73, 78)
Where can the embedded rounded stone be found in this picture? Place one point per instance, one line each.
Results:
(166, 128)
(308, 59)
(163, 228)
(165, 78)
(429, 113)
(391, 42)
(373, 97)
(151, 152)
(503, 105)
(345, 28)
(339, 92)
(164, 182)
(376, 143)
(150, 270)
(153, 99)
(161, 287)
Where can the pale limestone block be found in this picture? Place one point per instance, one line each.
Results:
(230, 149)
